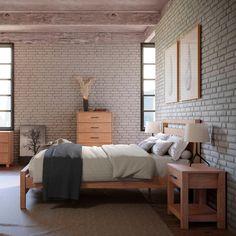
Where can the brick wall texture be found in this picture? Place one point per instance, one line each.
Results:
(47, 93)
(217, 106)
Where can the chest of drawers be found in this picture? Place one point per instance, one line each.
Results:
(94, 128)
(6, 148)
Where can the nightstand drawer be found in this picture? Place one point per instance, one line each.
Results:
(94, 128)
(174, 176)
(4, 147)
(4, 138)
(4, 158)
(93, 137)
(93, 117)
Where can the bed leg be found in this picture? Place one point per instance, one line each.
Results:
(22, 190)
(150, 194)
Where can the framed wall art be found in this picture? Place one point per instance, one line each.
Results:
(31, 138)
(171, 73)
(189, 65)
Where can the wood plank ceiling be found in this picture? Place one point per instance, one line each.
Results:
(78, 21)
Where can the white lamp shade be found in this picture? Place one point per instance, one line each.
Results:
(196, 133)
(152, 127)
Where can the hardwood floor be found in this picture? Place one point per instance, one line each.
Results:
(158, 202)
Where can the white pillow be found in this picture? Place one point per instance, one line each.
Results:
(178, 146)
(186, 154)
(161, 147)
(147, 143)
(162, 136)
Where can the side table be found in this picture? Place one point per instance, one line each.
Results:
(198, 177)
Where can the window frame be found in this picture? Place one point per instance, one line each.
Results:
(11, 128)
(143, 45)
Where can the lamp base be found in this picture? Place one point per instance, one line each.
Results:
(201, 159)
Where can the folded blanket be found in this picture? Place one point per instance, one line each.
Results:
(62, 171)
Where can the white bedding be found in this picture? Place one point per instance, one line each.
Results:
(105, 163)
(112, 162)
(162, 161)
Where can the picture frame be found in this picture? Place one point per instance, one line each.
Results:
(172, 73)
(189, 65)
(31, 138)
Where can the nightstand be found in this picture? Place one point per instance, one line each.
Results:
(198, 177)
(6, 147)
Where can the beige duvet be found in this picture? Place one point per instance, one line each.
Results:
(106, 163)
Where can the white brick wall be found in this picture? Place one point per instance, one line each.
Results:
(218, 77)
(46, 92)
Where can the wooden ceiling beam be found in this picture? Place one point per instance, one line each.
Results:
(71, 37)
(149, 34)
(80, 18)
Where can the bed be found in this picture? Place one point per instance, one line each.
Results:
(173, 127)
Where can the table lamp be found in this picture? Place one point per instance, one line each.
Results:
(197, 133)
(153, 127)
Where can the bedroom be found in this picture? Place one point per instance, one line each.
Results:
(48, 57)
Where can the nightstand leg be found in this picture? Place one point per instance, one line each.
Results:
(184, 211)
(221, 201)
(170, 196)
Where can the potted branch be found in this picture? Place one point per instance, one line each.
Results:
(85, 88)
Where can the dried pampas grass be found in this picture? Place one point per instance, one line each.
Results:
(85, 86)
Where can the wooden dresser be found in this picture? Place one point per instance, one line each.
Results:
(6, 147)
(94, 128)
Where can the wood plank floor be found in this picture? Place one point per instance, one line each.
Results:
(159, 203)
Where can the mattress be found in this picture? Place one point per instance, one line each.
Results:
(98, 167)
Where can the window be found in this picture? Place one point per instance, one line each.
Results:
(148, 83)
(6, 86)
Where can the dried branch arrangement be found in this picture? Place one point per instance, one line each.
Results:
(85, 86)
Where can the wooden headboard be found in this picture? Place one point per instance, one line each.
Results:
(176, 127)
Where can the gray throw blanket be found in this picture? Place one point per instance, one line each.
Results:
(62, 172)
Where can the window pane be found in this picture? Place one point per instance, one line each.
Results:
(149, 87)
(5, 71)
(149, 55)
(148, 116)
(149, 103)
(5, 55)
(149, 71)
(5, 119)
(5, 103)
(5, 87)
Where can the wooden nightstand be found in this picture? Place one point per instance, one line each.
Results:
(199, 177)
(6, 147)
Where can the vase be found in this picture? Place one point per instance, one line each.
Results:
(85, 104)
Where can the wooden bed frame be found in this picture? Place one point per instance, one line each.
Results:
(26, 182)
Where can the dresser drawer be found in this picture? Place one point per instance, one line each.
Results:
(4, 147)
(94, 117)
(4, 138)
(93, 144)
(94, 138)
(94, 127)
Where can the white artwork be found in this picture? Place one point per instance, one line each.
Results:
(31, 138)
(189, 65)
(171, 74)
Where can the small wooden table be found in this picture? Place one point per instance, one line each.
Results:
(199, 177)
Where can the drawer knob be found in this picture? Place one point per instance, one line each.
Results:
(94, 137)
(94, 127)
(94, 117)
